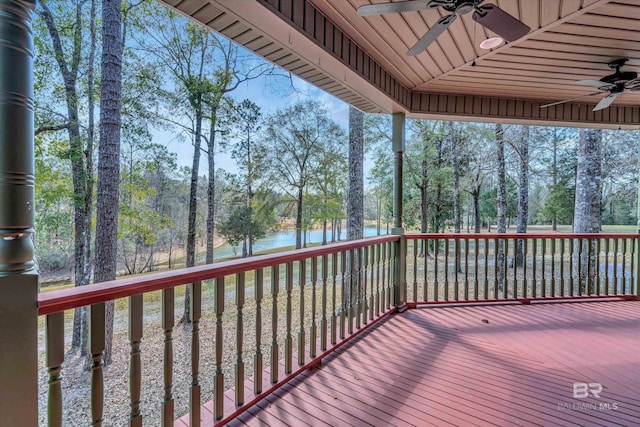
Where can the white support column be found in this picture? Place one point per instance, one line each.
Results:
(400, 271)
(18, 279)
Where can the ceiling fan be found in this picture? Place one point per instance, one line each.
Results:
(489, 15)
(615, 84)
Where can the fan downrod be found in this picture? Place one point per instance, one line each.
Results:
(617, 64)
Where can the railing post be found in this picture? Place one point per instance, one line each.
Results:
(400, 261)
(18, 278)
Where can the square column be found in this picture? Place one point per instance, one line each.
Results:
(400, 271)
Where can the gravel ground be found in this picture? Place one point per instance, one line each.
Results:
(76, 382)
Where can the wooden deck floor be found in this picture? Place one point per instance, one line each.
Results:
(474, 366)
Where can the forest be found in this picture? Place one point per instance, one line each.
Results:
(256, 166)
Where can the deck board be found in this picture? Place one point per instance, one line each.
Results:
(473, 365)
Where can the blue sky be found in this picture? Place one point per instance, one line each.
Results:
(269, 99)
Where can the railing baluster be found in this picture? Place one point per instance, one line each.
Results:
(615, 266)
(553, 267)
(505, 269)
(456, 268)
(365, 271)
(623, 269)
(258, 287)
(219, 375)
(571, 259)
(525, 282)
(313, 330)
(97, 321)
(343, 293)
(55, 359)
(542, 273)
(275, 290)
(495, 269)
(446, 269)
(436, 285)
(580, 278)
(334, 317)
(606, 265)
(302, 270)
(424, 245)
(195, 395)
(415, 271)
(534, 268)
(372, 270)
(378, 295)
(358, 287)
(168, 320)
(323, 320)
(563, 291)
(466, 270)
(351, 282)
(476, 247)
(486, 268)
(598, 279)
(135, 363)
(288, 340)
(514, 283)
(633, 265)
(239, 365)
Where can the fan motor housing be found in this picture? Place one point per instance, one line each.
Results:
(620, 77)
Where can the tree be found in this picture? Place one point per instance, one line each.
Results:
(523, 192)
(296, 136)
(109, 155)
(249, 156)
(586, 218)
(355, 197)
(502, 203)
(79, 153)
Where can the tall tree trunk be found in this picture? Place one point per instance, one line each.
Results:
(554, 173)
(355, 203)
(299, 217)
(523, 193)
(193, 210)
(586, 217)
(424, 186)
(476, 209)
(502, 203)
(453, 137)
(211, 187)
(324, 232)
(109, 155)
(81, 214)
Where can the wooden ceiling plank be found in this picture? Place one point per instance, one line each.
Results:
(549, 11)
(532, 34)
(621, 10)
(603, 32)
(569, 6)
(604, 21)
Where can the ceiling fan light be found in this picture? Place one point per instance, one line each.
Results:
(491, 42)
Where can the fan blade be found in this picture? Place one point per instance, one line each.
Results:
(606, 101)
(500, 22)
(401, 6)
(596, 83)
(633, 84)
(569, 100)
(432, 34)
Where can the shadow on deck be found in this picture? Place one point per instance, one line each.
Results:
(473, 365)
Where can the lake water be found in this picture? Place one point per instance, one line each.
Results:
(280, 239)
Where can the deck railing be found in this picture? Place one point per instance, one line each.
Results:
(313, 301)
(494, 267)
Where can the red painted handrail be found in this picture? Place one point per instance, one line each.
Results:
(65, 299)
(524, 236)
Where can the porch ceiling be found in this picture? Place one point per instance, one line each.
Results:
(362, 60)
